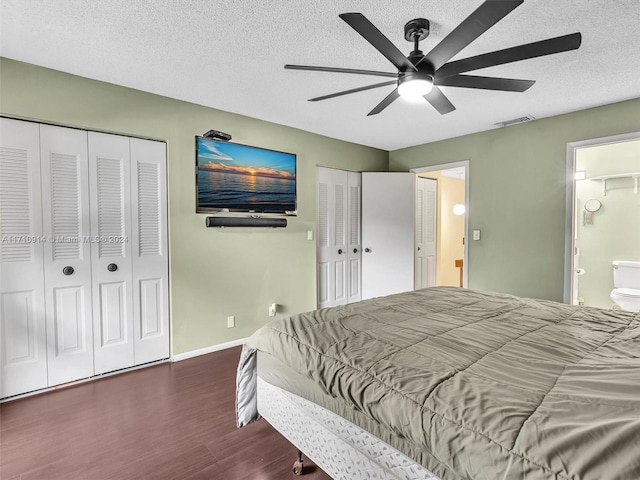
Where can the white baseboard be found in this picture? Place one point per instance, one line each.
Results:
(85, 380)
(204, 351)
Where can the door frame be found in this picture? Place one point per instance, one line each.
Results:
(570, 213)
(445, 166)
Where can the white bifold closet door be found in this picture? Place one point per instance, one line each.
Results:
(110, 180)
(339, 237)
(83, 256)
(23, 348)
(128, 217)
(67, 253)
(354, 251)
(149, 250)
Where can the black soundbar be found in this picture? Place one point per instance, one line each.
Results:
(245, 222)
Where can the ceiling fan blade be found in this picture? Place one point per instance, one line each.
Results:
(342, 70)
(439, 101)
(388, 100)
(353, 90)
(481, 20)
(375, 37)
(485, 83)
(550, 46)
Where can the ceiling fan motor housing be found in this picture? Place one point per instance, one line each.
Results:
(424, 70)
(419, 75)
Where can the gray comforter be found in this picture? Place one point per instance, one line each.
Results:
(490, 385)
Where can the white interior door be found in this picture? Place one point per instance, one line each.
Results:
(23, 349)
(150, 250)
(67, 257)
(425, 254)
(110, 181)
(387, 233)
(354, 250)
(332, 237)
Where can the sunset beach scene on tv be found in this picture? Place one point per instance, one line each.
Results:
(241, 178)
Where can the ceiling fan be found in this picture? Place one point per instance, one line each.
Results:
(420, 75)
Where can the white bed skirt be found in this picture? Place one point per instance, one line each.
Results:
(342, 449)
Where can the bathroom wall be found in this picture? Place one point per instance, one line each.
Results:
(615, 231)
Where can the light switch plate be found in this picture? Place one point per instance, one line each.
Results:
(476, 234)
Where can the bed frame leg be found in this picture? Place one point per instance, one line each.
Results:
(297, 465)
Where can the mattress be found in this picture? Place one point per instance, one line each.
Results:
(479, 385)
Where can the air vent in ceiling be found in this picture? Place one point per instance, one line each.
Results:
(506, 123)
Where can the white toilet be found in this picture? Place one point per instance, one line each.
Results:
(626, 280)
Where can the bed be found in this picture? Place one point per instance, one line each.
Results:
(448, 383)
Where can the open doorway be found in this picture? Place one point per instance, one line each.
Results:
(604, 205)
(451, 226)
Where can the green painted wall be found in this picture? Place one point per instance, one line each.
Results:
(517, 194)
(517, 197)
(213, 273)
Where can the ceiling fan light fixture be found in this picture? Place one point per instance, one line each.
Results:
(416, 71)
(413, 88)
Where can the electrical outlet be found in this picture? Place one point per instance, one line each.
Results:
(231, 321)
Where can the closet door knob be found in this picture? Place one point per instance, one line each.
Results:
(112, 267)
(339, 251)
(355, 250)
(368, 250)
(67, 270)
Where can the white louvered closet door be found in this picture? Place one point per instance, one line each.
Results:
(67, 255)
(339, 245)
(83, 254)
(322, 239)
(110, 181)
(339, 240)
(150, 250)
(23, 349)
(354, 251)
(332, 242)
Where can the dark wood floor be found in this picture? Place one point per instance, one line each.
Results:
(170, 421)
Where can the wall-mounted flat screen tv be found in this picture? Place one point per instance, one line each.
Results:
(240, 178)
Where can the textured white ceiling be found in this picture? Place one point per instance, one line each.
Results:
(229, 54)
